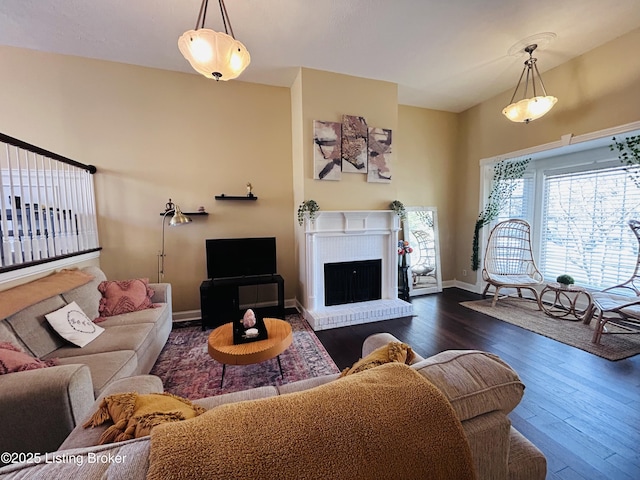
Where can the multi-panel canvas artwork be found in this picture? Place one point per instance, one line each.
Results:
(352, 147)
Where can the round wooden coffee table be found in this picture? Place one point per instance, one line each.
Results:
(222, 348)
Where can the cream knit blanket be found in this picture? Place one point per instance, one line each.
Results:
(385, 423)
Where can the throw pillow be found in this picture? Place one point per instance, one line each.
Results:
(134, 415)
(392, 352)
(73, 325)
(124, 296)
(12, 359)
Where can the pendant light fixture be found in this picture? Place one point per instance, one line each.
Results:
(529, 109)
(214, 54)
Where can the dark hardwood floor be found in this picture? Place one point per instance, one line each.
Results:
(581, 410)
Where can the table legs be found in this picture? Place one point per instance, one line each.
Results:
(224, 368)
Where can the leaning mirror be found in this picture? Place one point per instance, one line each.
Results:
(420, 228)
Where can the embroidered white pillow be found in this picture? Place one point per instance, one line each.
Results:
(73, 325)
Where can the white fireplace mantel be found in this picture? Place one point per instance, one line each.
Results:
(345, 236)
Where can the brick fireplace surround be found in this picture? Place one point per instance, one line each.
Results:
(346, 236)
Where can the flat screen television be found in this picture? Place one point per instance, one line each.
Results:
(240, 257)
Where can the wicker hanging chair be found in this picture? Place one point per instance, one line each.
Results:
(508, 260)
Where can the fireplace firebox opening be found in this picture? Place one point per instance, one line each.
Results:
(352, 282)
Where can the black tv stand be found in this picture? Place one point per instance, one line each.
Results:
(220, 302)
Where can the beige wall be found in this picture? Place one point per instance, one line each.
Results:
(598, 90)
(156, 134)
(427, 144)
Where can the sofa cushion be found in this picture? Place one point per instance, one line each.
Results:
(151, 315)
(475, 382)
(34, 330)
(121, 337)
(126, 460)
(12, 359)
(73, 325)
(106, 367)
(124, 296)
(88, 296)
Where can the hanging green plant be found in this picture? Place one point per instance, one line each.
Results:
(398, 207)
(309, 206)
(629, 155)
(505, 174)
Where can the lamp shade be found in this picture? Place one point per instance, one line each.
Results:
(529, 108)
(178, 218)
(214, 54)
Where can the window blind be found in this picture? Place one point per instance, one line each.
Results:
(584, 226)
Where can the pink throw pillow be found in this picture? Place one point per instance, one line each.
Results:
(124, 296)
(12, 359)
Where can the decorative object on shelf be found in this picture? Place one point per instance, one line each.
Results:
(398, 207)
(403, 249)
(505, 175)
(565, 280)
(535, 107)
(201, 209)
(249, 189)
(214, 54)
(177, 220)
(309, 206)
(629, 154)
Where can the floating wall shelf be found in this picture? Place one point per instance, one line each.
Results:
(231, 197)
(189, 213)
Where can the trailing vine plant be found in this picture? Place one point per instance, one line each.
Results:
(505, 174)
(310, 206)
(398, 207)
(629, 155)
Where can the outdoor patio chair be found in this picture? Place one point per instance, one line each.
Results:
(508, 260)
(620, 310)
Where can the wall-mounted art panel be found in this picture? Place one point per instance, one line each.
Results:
(354, 144)
(327, 148)
(379, 155)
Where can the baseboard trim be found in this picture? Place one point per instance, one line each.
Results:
(191, 315)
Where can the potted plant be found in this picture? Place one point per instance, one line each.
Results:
(310, 206)
(398, 207)
(565, 280)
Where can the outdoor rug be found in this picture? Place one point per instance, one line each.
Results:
(525, 314)
(187, 370)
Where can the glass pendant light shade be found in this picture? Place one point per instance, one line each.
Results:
(535, 107)
(214, 54)
(529, 108)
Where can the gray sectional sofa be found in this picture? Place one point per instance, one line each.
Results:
(39, 408)
(481, 388)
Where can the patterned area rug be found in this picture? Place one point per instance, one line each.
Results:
(187, 370)
(525, 314)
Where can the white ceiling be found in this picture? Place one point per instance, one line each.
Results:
(443, 54)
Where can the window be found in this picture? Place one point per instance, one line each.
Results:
(578, 202)
(585, 231)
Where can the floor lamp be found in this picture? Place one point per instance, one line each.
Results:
(178, 219)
